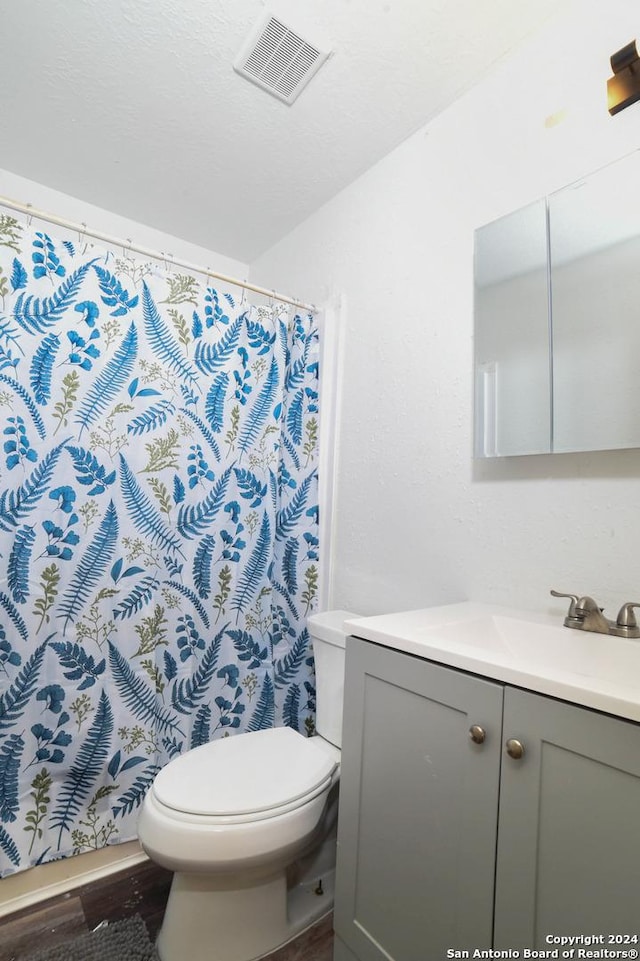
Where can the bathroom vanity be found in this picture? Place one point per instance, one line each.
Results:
(490, 786)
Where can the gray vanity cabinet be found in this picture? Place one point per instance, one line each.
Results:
(418, 801)
(426, 863)
(568, 857)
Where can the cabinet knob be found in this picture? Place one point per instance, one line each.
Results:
(515, 748)
(477, 734)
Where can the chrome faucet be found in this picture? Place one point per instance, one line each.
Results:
(585, 615)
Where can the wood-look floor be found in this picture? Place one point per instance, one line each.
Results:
(315, 944)
(141, 890)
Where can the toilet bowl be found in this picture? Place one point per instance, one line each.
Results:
(246, 822)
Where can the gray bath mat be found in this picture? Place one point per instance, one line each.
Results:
(126, 940)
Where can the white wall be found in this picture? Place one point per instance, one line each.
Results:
(418, 521)
(77, 211)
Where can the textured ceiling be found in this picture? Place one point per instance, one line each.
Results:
(133, 105)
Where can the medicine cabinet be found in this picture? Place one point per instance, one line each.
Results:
(557, 320)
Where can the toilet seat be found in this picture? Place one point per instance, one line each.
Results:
(257, 776)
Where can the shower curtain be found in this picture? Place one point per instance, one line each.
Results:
(158, 532)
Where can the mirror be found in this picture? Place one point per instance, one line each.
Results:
(512, 370)
(557, 320)
(594, 232)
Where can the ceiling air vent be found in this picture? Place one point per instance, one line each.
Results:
(278, 60)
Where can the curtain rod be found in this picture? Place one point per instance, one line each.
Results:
(83, 230)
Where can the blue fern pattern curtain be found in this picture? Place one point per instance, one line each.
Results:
(158, 532)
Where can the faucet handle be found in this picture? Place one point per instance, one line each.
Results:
(626, 617)
(572, 606)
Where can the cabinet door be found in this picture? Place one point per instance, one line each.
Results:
(569, 828)
(418, 800)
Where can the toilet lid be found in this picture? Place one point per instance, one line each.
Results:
(245, 774)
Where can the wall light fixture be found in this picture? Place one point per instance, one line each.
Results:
(623, 88)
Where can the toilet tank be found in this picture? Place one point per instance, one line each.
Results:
(328, 637)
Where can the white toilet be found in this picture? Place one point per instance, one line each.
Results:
(247, 823)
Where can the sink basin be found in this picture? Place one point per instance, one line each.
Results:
(538, 645)
(530, 650)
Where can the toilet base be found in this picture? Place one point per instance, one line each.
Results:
(204, 923)
(222, 917)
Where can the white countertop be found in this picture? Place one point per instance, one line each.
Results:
(533, 651)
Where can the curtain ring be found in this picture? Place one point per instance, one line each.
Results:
(170, 270)
(129, 243)
(29, 215)
(82, 234)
